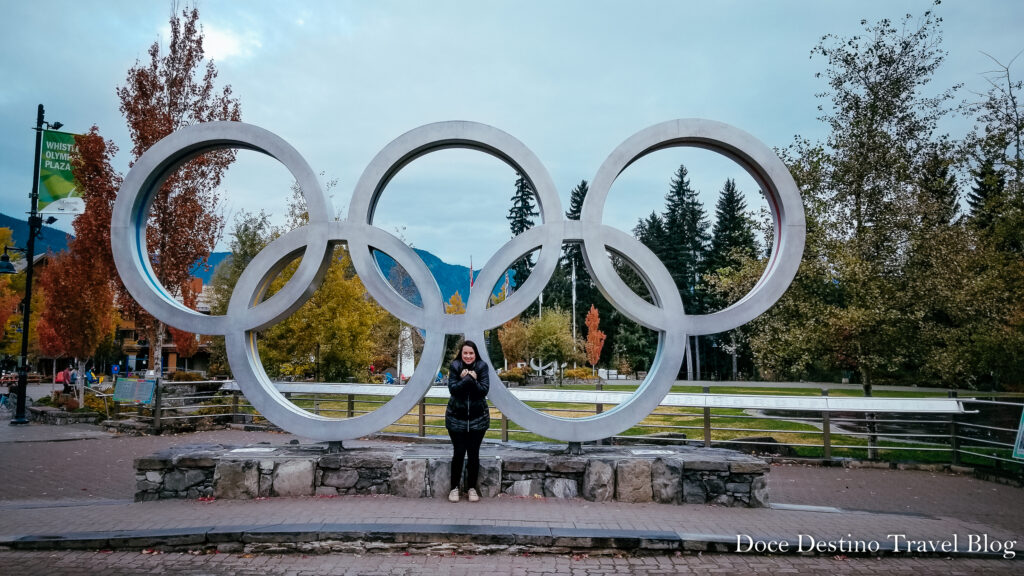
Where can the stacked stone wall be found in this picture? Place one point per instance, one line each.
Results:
(681, 476)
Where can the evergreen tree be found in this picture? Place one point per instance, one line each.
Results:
(573, 254)
(685, 240)
(732, 237)
(520, 218)
(938, 196)
(572, 257)
(732, 244)
(988, 190)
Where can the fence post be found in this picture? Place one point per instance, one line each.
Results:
(826, 430)
(600, 407)
(707, 421)
(954, 440)
(316, 405)
(504, 428)
(157, 399)
(351, 405)
(423, 417)
(234, 407)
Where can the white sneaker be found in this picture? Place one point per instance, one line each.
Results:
(473, 496)
(453, 496)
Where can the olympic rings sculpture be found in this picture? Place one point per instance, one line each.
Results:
(248, 312)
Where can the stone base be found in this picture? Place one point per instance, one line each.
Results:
(669, 475)
(59, 417)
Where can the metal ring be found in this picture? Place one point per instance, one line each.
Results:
(315, 241)
(143, 182)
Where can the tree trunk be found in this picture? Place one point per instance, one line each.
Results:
(80, 384)
(689, 360)
(696, 355)
(865, 378)
(158, 353)
(732, 338)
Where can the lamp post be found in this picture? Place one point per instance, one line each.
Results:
(35, 224)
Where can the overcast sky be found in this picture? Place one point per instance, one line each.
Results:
(570, 79)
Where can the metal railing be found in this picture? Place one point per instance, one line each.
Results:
(980, 432)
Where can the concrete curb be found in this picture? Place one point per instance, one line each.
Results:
(432, 538)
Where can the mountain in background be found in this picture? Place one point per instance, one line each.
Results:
(49, 238)
(450, 277)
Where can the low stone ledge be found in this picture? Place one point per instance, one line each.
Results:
(677, 475)
(60, 417)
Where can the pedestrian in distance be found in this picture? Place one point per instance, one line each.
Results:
(67, 380)
(467, 417)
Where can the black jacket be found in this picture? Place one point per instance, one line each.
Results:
(467, 407)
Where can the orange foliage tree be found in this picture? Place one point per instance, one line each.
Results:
(78, 284)
(171, 91)
(595, 337)
(185, 343)
(9, 297)
(79, 307)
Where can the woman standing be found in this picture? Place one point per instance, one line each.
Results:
(467, 417)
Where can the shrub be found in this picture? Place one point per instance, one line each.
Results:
(580, 373)
(94, 404)
(517, 375)
(182, 376)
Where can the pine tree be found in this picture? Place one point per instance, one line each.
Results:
(573, 253)
(520, 218)
(685, 240)
(938, 196)
(988, 190)
(572, 258)
(732, 236)
(651, 231)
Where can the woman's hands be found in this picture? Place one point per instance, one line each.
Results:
(470, 372)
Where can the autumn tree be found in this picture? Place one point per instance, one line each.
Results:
(186, 344)
(79, 312)
(550, 338)
(9, 298)
(514, 338)
(173, 90)
(329, 336)
(79, 307)
(455, 304)
(595, 338)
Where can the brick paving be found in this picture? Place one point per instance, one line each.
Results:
(75, 563)
(58, 480)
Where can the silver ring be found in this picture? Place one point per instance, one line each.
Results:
(316, 240)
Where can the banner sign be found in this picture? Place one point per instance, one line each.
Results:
(57, 193)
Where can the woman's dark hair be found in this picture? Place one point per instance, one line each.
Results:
(472, 345)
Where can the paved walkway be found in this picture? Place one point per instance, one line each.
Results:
(76, 480)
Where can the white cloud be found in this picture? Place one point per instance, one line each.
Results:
(221, 44)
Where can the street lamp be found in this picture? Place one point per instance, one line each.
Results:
(5, 261)
(35, 225)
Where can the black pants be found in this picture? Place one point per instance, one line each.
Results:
(466, 442)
